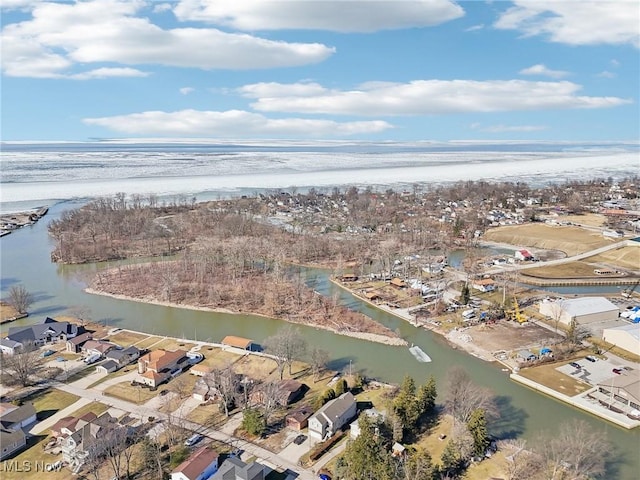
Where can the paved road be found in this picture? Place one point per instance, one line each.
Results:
(268, 458)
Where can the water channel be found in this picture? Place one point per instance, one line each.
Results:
(25, 259)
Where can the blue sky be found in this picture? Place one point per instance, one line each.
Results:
(331, 69)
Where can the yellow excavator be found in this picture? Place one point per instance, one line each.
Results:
(515, 313)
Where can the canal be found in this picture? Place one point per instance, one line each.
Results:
(25, 259)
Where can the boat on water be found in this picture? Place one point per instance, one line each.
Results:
(419, 354)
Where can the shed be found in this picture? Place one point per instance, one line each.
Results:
(297, 420)
(527, 355)
(398, 283)
(108, 367)
(239, 342)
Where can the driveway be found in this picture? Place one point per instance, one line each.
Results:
(47, 423)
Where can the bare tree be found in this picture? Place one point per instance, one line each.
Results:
(24, 364)
(114, 441)
(522, 463)
(462, 396)
(319, 360)
(576, 451)
(20, 298)
(286, 346)
(226, 383)
(269, 394)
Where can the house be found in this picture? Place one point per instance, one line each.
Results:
(67, 425)
(9, 347)
(484, 285)
(332, 416)
(298, 419)
(523, 255)
(287, 392)
(349, 277)
(372, 296)
(75, 447)
(125, 356)
(100, 347)
(201, 391)
(158, 366)
(199, 466)
(108, 367)
(48, 331)
(11, 441)
(74, 344)
(239, 342)
(235, 469)
(376, 417)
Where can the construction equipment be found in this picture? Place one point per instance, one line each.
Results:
(515, 313)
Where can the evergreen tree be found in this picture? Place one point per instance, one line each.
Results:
(427, 397)
(465, 294)
(451, 460)
(341, 387)
(417, 465)
(477, 426)
(252, 421)
(405, 405)
(366, 457)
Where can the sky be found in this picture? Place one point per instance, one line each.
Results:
(358, 70)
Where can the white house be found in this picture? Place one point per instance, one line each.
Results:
(484, 285)
(332, 416)
(9, 347)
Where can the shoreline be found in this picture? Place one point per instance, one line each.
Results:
(370, 337)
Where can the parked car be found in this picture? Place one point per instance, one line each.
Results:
(195, 357)
(93, 358)
(193, 439)
(299, 440)
(575, 365)
(617, 371)
(47, 353)
(591, 358)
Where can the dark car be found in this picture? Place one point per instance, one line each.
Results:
(299, 440)
(575, 365)
(617, 371)
(590, 358)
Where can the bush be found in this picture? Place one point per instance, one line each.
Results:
(252, 422)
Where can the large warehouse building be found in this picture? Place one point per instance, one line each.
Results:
(625, 336)
(583, 310)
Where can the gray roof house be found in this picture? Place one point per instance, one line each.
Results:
(332, 416)
(235, 469)
(12, 420)
(125, 356)
(46, 332)
(8, 346)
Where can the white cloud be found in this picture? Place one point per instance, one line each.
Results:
(542, 70)
(475, 28)
(507, 128)
(18, 4)
(576, 22)
(231, 123)
(614, 63)
(60, 35)
(109, 73)
(425, 97)
(606, 74)
(186, 90)
(162, 7)
(332, 15)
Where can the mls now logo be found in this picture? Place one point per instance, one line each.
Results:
(25, 466)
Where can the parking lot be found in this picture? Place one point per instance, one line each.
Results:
(592, 373)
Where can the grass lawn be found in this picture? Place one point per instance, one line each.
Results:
(374, 395)
(88, 370)
(625, 257)
(130, 393)
(579, 269)
(171, 344)
(432, 443)
(571, 240)
(490, 468)
(257, 367)
(36, 455)
(548, 375)
(95, 407)
(218, 358)
(146, 343)
(51, 401)
(116, 374)
(208, 415)
(125, 338)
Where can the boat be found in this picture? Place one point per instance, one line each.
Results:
(419, 354)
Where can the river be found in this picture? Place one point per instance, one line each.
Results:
(25, 259)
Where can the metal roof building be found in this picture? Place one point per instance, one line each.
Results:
(583, 310)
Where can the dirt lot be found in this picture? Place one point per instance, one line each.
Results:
(571, 240)
(591, 219)
(509, 336)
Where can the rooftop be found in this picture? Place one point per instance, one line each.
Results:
(587, 305)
